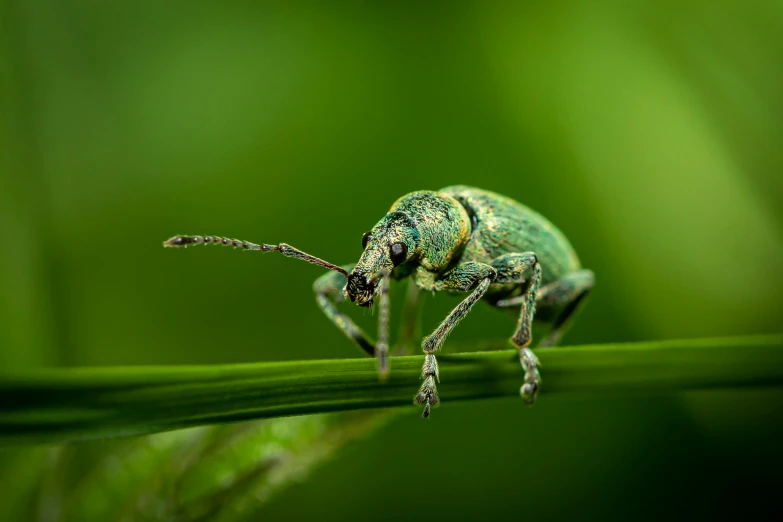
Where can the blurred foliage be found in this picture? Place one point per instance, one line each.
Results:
(214, 473)
(648, 131)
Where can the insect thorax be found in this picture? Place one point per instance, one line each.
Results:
(443, 225)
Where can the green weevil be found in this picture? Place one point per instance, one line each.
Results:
(459, 240)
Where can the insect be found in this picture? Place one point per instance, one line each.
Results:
(460, 240)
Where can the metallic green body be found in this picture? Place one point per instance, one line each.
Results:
(463, 239)
(457, 240)
(504, 226)
(460, 224)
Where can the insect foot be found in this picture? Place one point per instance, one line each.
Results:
(428, 393)
(431, 344)
(529, 390)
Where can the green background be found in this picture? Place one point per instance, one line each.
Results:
(649, 132)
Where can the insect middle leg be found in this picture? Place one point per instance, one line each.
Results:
(562, 296)
(512, 268)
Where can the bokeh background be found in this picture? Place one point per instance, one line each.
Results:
(649, 132)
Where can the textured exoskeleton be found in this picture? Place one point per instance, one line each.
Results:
(459, 240)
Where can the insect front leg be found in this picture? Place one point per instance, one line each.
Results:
(511, 268)
(382, 348)
(328, 294)
(465, 277)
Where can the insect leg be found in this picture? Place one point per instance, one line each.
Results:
(566, 295)
(382, 348)
(328, 293)
(410, 328)
(464, 277)
(559, 299)
(511, 264)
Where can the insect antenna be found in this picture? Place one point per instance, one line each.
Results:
(286, 250)
(184, 241)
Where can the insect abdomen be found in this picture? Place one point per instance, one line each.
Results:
(504, 226)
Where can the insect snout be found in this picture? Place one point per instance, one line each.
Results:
(360, 290)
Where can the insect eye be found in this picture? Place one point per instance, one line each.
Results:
(365, 240)
(398, 253)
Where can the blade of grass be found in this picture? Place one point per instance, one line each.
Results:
(81, 403)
